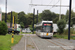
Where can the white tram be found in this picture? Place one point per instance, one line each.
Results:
(44, 29)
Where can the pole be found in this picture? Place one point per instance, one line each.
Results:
(60, 11)
(12, 41)
(33, 19)
(69, 20)
(37, 17)
(11, 20)
(6, 11)
(14, 22)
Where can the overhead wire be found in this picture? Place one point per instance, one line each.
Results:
(54, 4)
(46, 6)
(49, 3)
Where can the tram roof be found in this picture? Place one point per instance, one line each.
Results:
(47, 21)
(40, 23)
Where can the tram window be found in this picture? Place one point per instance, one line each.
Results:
(47, 27)
(39, 29)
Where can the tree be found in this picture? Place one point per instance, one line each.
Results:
(48, 15)
(72, 16)
(40, 17)
(29, 17)
(56, 19)
(22, 25)
(22, 18)
(67, 15)
(61, 25)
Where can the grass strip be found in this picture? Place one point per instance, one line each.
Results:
(63, 36)
(5, 41)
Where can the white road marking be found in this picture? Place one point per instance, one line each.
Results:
(25, 41)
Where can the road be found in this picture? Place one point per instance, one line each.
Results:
(33, 42)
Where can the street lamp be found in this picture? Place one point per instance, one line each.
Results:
(6, 11)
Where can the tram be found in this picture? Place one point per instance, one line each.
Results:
(44, 29)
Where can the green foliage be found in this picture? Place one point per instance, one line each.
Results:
(61, 25)
(48, 15)
(29, 18)
(40, 17)
(13, 14)
(22, 24)
(31, 27)
(72, 17)
(3, 28)
(22, 18)
(66, 31)
(58, 36)
(63, 36)
(55, 20)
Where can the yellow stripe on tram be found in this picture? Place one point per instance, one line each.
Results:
(47, 34)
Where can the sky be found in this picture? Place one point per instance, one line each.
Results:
(23, 5)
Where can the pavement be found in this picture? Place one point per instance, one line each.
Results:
(20, 45)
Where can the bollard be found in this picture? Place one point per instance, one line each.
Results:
(12, 40)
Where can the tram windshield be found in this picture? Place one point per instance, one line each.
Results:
(47, 27)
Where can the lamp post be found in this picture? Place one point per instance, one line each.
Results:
(6, 11)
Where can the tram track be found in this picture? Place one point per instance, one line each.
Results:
(34, 44)
(62, 44)
(53, 42)
(44, 43)
(26, 42)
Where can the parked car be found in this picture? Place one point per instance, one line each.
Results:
(15, 31)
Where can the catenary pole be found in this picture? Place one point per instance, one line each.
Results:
(69, 20)
(33, 19)
(37, 17)
(11, 20)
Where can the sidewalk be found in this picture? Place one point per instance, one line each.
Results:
(20, 45)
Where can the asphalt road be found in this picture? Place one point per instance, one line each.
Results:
(33, 42)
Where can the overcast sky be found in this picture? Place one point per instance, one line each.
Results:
(23, 5)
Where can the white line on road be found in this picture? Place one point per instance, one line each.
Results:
(25, 41)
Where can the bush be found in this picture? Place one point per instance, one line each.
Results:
(3, 28)
(61, 25)
(66, 31)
